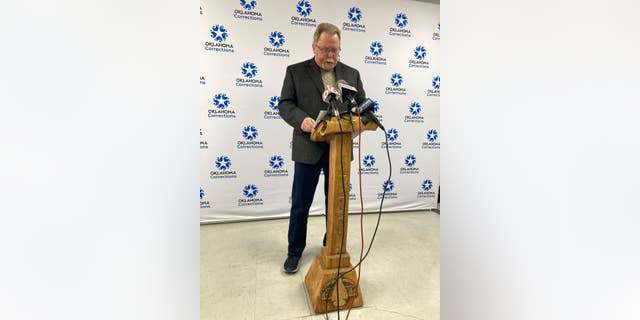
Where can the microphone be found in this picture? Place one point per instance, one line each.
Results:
(365, 110)
(363, 107)
(331, 94)
(348, 91)
(369, 116)
(344, 85)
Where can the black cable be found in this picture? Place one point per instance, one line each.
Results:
(344, 209)
(375, 231)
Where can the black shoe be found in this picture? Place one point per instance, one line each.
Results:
(291, 264)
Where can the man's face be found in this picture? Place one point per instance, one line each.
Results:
(326, 51)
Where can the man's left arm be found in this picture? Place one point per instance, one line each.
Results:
(361, 96)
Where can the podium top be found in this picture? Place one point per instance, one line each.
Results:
(326, 129)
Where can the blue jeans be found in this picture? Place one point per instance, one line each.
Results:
(305, 181)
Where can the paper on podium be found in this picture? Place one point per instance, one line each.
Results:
(321, 117)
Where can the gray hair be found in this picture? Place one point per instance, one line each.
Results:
(325, 27)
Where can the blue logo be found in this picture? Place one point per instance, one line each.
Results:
(204, 204)
(410, 160)
(376, 106)
(427, 185)
(415, 108)
(396, 79)
(276, 162)
(432, 135)
(250, 132)
(388, 186)
(438, 25)
(223, 163)
(376, 48)
(304, 8)
(249, 69)
(219, 33)
(368, 161)
(248, 5)
(221, 101)
(273, 103)
(436, 82)
(392, 134)
(420, 52)
(401, 20)
(250, 191)
(355, 14)
(276, 38)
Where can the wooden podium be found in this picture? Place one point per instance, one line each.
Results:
(320, 280)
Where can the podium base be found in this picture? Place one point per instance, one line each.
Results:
(322, 288)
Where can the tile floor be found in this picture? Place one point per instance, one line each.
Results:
(241, 273)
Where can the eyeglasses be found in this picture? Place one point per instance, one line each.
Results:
(328, 50)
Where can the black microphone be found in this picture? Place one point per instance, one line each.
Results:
(370, 116)
(332, 97)
(365, 110)
(363, 107)
(331, 94)
(344, 85)
(348, 91)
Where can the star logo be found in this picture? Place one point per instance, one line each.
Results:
(248, 5)
(250, 132)
(420, 52)
(427, 185)
(396, 79)
(436, 82)
(221, 101)
(368, 161)
(410, 160)
(250, 191)
(432, 135)
(355, 14)
(273, 103)
(401, 20)
(415, 108)
(219, 33)
(223, 163)
(304, 8)
(388, 186)
(276, 38)
(375, 48)
(392, 134)
(249, 70)
(276, 162)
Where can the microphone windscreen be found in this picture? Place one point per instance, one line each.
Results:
(342, 84)
(330, 93)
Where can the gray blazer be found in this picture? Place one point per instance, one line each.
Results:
(301, 97)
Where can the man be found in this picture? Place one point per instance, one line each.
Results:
(300, 103)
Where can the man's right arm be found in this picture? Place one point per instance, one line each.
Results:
(288, 106)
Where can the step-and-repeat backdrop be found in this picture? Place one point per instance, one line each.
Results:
(246, 167)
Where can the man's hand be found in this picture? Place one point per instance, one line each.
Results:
(307, 124)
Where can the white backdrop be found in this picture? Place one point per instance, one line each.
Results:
(246, 167)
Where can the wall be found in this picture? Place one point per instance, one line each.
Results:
(246, 169)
